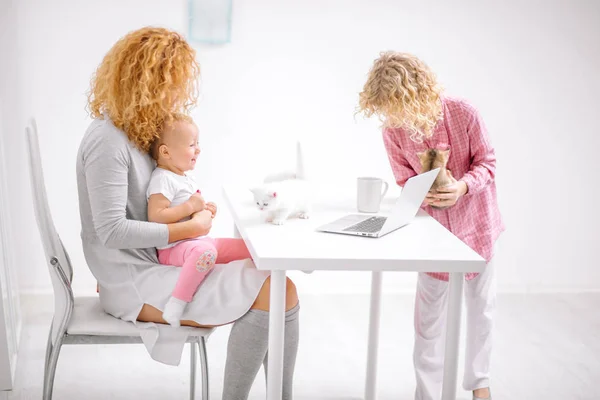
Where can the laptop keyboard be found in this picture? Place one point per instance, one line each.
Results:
(371, 225)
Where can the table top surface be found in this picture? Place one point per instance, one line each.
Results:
(423, 245)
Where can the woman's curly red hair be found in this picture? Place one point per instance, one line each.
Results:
(146, 78)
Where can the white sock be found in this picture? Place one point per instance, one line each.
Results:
(173, 311)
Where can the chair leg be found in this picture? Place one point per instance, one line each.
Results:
(51, 370)
(48, 352)
(192, 370)
(204, 367)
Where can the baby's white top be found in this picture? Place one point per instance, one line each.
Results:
(176, 188)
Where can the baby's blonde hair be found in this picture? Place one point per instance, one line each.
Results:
(403, 92)
(147, 76)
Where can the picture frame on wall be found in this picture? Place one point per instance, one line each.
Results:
(210, 21)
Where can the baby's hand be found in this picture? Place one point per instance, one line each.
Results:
(212, 207)
(197, 202)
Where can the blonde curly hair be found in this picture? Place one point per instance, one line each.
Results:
(403, 92)
(146, 78)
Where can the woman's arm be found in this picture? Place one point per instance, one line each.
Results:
(483, 165)
(400, 166)
(106, 165)
(199, 225)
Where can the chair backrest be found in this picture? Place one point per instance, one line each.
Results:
(61, 272)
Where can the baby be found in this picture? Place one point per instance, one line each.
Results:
(173, 196)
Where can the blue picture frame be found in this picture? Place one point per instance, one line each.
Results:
(210, 21)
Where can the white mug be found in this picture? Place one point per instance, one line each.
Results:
(369, 194)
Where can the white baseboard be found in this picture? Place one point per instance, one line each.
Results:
(327, 283)
(509, 289)
(527, 289)
(36, 292)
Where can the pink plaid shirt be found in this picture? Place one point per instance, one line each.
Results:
(475, 218)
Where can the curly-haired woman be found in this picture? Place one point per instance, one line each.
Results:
(404, 93)
(147, 79)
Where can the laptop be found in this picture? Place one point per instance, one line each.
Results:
(406, 207)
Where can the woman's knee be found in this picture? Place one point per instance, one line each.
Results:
(263, 299)
(291, 295)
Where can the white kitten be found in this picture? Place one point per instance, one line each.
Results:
(283, 199)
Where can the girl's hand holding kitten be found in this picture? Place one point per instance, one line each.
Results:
(448, 195)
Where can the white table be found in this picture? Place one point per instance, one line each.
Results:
(422, 246)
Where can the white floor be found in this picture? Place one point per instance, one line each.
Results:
(547, 347)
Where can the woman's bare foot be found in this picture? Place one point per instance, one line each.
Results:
(482, 393)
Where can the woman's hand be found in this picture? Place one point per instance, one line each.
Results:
(201, 223)
(197, 202)
(212, 207)
(448, 195)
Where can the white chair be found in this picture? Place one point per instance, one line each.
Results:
(81, 320)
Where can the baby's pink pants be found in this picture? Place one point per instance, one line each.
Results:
(197, 258)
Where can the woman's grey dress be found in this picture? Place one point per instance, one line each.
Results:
(119, 246)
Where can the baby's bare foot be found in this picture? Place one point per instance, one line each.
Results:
(482, 393)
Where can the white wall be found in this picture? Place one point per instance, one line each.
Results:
(294, 69)
(10, 312)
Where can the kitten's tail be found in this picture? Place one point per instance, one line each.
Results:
(280, 176)
(298, 174)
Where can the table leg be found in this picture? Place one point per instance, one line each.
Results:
(452, 336)
(276, 335)
(372, 350)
